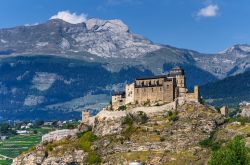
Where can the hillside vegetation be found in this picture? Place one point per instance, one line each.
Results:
(229, 91)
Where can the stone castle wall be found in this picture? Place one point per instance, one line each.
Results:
(163, 89)
(130, 92)
(148, 94)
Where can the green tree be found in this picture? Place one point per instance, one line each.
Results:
(234, 153)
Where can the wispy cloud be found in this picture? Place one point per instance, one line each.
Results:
(208, 11)
(70, 17)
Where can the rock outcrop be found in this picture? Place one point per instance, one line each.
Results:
(165, 136)
(40, 157)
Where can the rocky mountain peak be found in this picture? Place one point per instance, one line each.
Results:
(240, 48)
(115, 25)
(104, 38)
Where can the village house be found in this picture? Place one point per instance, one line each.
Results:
(156, 89)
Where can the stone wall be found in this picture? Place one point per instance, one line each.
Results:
(148, 94)
(193, 97)
(59, 134)
(130, 90)
(164, 91)
(169, 91)
(117, 101)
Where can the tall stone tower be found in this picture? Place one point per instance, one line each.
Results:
(180, 79)
(197, 93)
(85, 116)
(179, 75)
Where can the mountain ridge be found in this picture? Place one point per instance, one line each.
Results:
(62, 52)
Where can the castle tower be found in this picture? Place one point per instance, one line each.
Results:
(129, 92)
(224, 111)
(85, 116)
(197, 93)
(181, 81)
(179, 75)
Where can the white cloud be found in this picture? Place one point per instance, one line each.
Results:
(70, 17)
(209, 11)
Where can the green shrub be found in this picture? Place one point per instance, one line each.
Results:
(234, 153)
(93, 158)
(128, 120)
(172, 116)
(209, 143)
(86, 140)
(122, 108)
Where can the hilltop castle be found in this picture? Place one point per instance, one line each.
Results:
(156, 89)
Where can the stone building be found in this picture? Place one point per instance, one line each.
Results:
(155, 89)
(224, 111)
(85, 116)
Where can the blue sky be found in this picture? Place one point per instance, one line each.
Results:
(207, 26)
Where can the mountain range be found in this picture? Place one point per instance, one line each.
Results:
(61, 68)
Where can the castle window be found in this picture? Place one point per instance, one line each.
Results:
(160, 89)
(144, 89)
(137, 90)
(152, 89)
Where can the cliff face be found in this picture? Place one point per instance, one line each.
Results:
(167, 136)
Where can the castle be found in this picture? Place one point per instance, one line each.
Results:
(156, 89)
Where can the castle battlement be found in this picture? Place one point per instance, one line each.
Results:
(162, 88)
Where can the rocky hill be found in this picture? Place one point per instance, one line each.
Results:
(155, 135)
